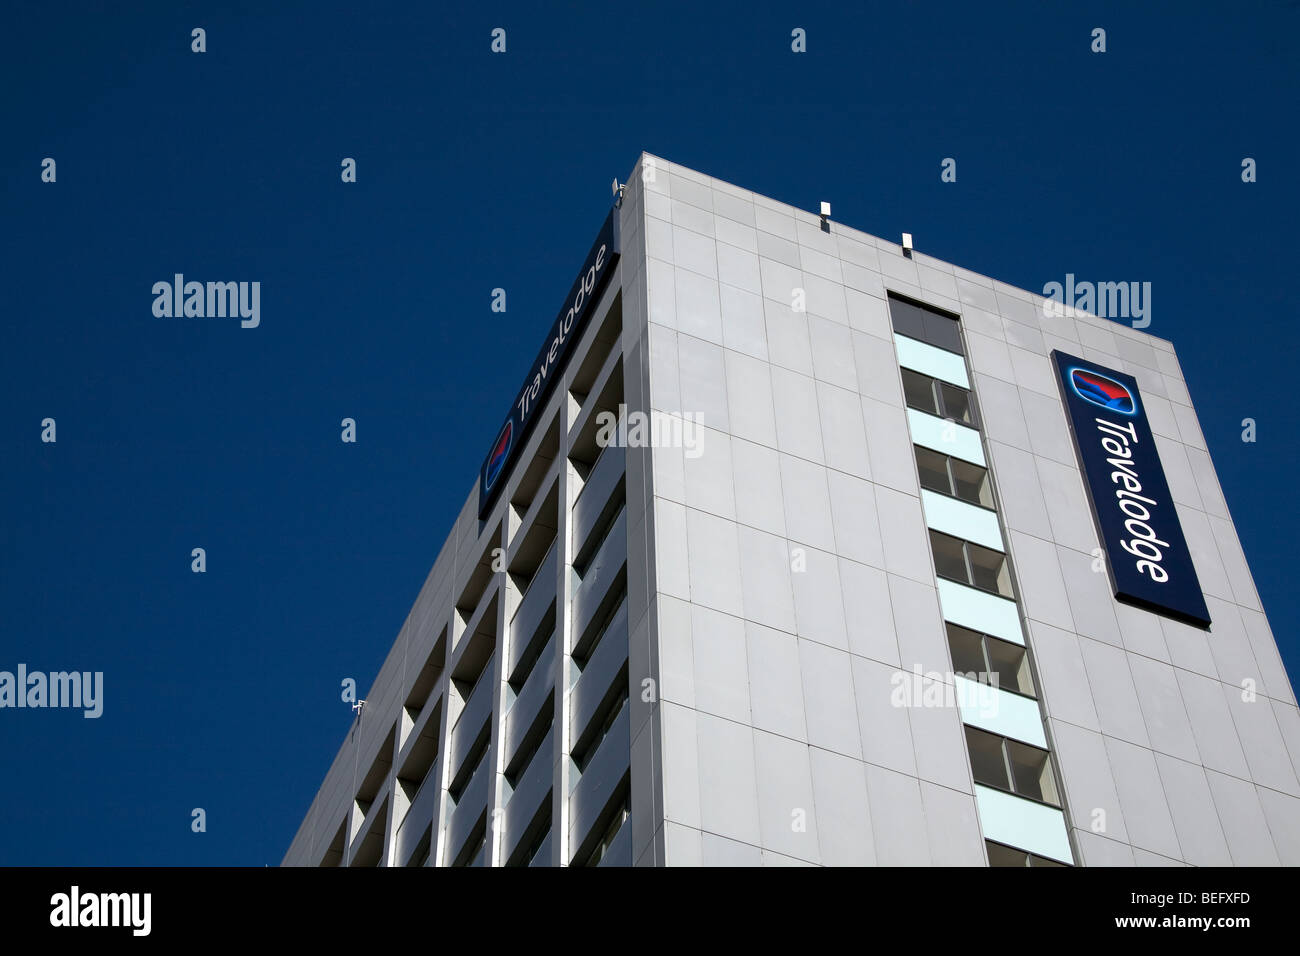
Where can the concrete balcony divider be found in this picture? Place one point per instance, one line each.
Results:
(605, 662)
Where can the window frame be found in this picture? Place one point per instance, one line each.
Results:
(970, 568)
(1007, 766)
(1029, 857)
(952, 478)
(987, 659)
(940, 406)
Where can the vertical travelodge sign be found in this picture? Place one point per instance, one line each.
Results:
(1146, 554)
(550, 361)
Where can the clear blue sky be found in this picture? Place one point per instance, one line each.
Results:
(477, 171)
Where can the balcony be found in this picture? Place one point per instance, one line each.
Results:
(620, 851)
(543, 855)
(602, 667)
(598, 783)
(469, 810)
(597, 587)
(534, 694)
(469, 725)
(530, 794)
(422, 813)
(533, 609)
(596, 500)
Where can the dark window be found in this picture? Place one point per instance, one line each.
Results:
(925, 324)
(1011, 664)
(953, 477)
(1031, 772)
(991, 659)
(933, 469)
(1011, 766)
(956, 403)
(971, 482)
(988, 569)
(1002, 855)
(949, 557)
(967, 648)
(938, 398)
(970, 563)
(987, 760)
(918, 389)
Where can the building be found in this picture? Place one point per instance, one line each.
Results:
(739, 635)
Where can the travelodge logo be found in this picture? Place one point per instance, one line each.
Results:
(1103, 391)
(496, 463)
(1146, 554)
(549, 365)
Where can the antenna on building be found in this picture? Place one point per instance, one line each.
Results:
(358, 707)
(826, 217)
(618, 192)
(907, 244)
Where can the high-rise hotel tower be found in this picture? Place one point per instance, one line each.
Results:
(796, 546)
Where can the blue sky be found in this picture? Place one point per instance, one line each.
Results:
(478, 171)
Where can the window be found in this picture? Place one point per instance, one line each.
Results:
(972, 564)
(941, 399)
(1031, 772)
(1011, 664)
(918, 389)
(925, 324)
(1002, 855)
(1011, 766)
(990, 657)
(953, 477)
(949, 557)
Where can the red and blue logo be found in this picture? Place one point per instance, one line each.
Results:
(500, 453)
(1103, 391)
